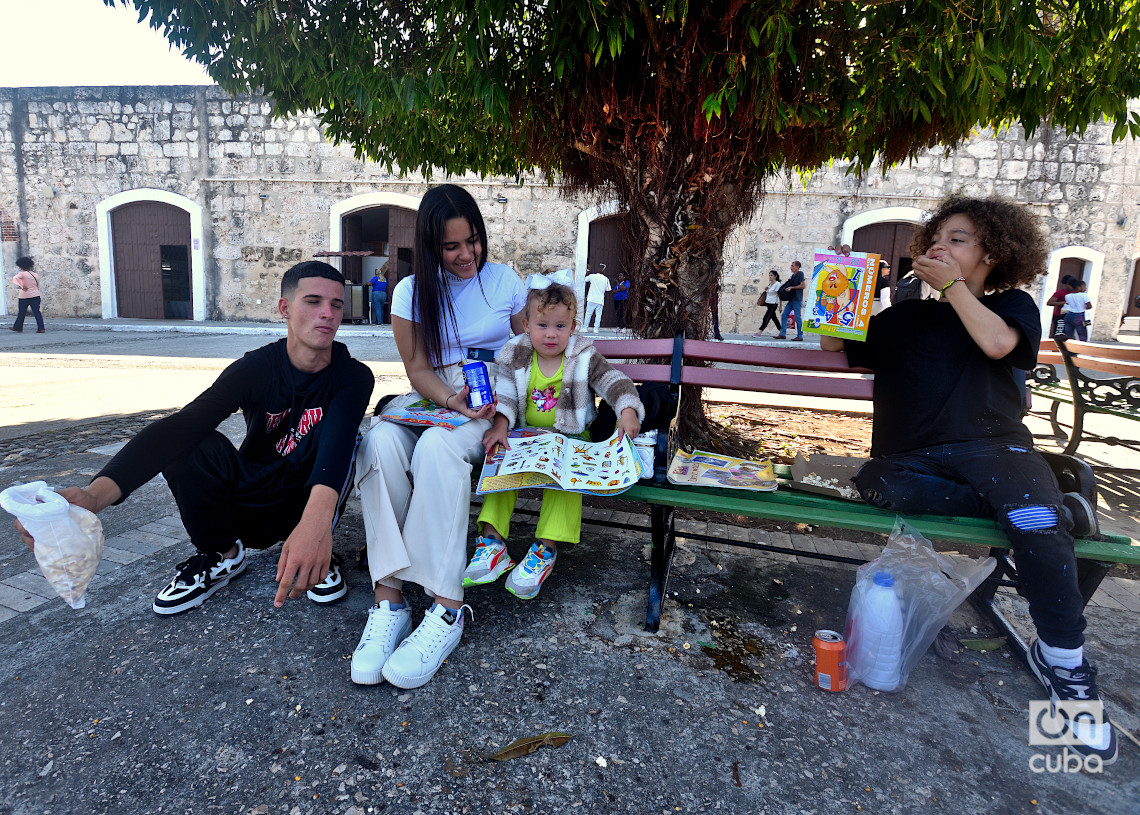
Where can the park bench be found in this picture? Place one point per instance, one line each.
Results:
(1100, 378)
(815, 373)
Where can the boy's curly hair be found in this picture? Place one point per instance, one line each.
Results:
(1009, 233)
(553, 295)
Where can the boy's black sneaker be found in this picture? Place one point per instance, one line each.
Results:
(332, 587)
(1083, 514)
(1096, 738)
(197, 579)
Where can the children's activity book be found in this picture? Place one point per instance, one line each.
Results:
(702, 469)
(423, 412)
(540, 458)
(839, 294)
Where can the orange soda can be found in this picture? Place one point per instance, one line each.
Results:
(830, 660)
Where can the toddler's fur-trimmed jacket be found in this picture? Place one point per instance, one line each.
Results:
(584, 370)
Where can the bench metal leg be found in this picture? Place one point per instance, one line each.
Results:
(661, 560)
(984, 596)
(1090, 573)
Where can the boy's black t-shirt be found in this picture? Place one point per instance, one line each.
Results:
(934, 385)
(283, 408)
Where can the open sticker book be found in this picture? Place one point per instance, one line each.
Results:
(554, 461)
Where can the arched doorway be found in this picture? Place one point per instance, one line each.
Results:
(886, 232)
(606, 255)
(151, 260)
(382, 224)
(151, 246)
(1082, 263)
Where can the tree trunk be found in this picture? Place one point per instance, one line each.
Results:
(676, 234)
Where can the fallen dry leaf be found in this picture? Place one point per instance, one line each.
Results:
(991, 644)
(526, 746)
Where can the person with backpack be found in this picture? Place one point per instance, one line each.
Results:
(792, 293)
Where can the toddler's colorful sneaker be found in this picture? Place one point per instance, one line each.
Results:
(488, 563)
(525, 581)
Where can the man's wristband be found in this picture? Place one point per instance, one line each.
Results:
(942, 291)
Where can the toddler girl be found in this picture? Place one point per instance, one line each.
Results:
(547, 378)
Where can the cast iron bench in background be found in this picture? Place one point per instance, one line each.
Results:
(1100, 378)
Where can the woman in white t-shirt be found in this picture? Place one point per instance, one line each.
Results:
(415, 483)
(1077, 302)
(771, 300)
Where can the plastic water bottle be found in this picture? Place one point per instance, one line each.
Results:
(879, 635)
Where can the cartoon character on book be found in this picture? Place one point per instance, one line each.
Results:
(835, 297)
(548, 376)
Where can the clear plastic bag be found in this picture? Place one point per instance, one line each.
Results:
(929, 586)
(69, 539)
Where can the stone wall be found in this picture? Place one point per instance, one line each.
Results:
(267, 187)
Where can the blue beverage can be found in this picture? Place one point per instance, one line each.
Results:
(480, 393)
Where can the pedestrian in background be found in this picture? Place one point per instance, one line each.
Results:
(794, 288)
(770, 299)
(621, 294)
(28, 282)
(597, 284)
(714, 306)
(379, 282)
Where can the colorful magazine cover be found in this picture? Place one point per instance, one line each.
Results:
(701, 469)
(548, 460)
(422, 412)
(839, 294)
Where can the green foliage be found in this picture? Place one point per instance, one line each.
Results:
(489, 85)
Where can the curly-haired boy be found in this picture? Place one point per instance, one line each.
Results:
(947, 435)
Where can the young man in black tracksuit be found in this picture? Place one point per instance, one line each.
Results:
(303, 399)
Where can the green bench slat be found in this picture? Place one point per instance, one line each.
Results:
(821, 510)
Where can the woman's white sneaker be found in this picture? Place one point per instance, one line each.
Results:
(418, 657)
(385, 629)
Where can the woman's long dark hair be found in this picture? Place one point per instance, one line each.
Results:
(432, 301)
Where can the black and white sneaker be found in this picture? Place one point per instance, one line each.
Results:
(1083, 514)
(332, 587)
(197, 579)
(1089, 738)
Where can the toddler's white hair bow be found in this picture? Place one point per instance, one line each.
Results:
(542, 281)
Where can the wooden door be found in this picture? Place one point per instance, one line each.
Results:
(401, 244)
(139, 231)
(890, 241)
(606, 248)
(1130, 309)
(1074, 267)
(351, 240)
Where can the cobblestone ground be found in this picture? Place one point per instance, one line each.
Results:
(76, 439)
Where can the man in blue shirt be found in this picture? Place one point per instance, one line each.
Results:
(379, 283)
